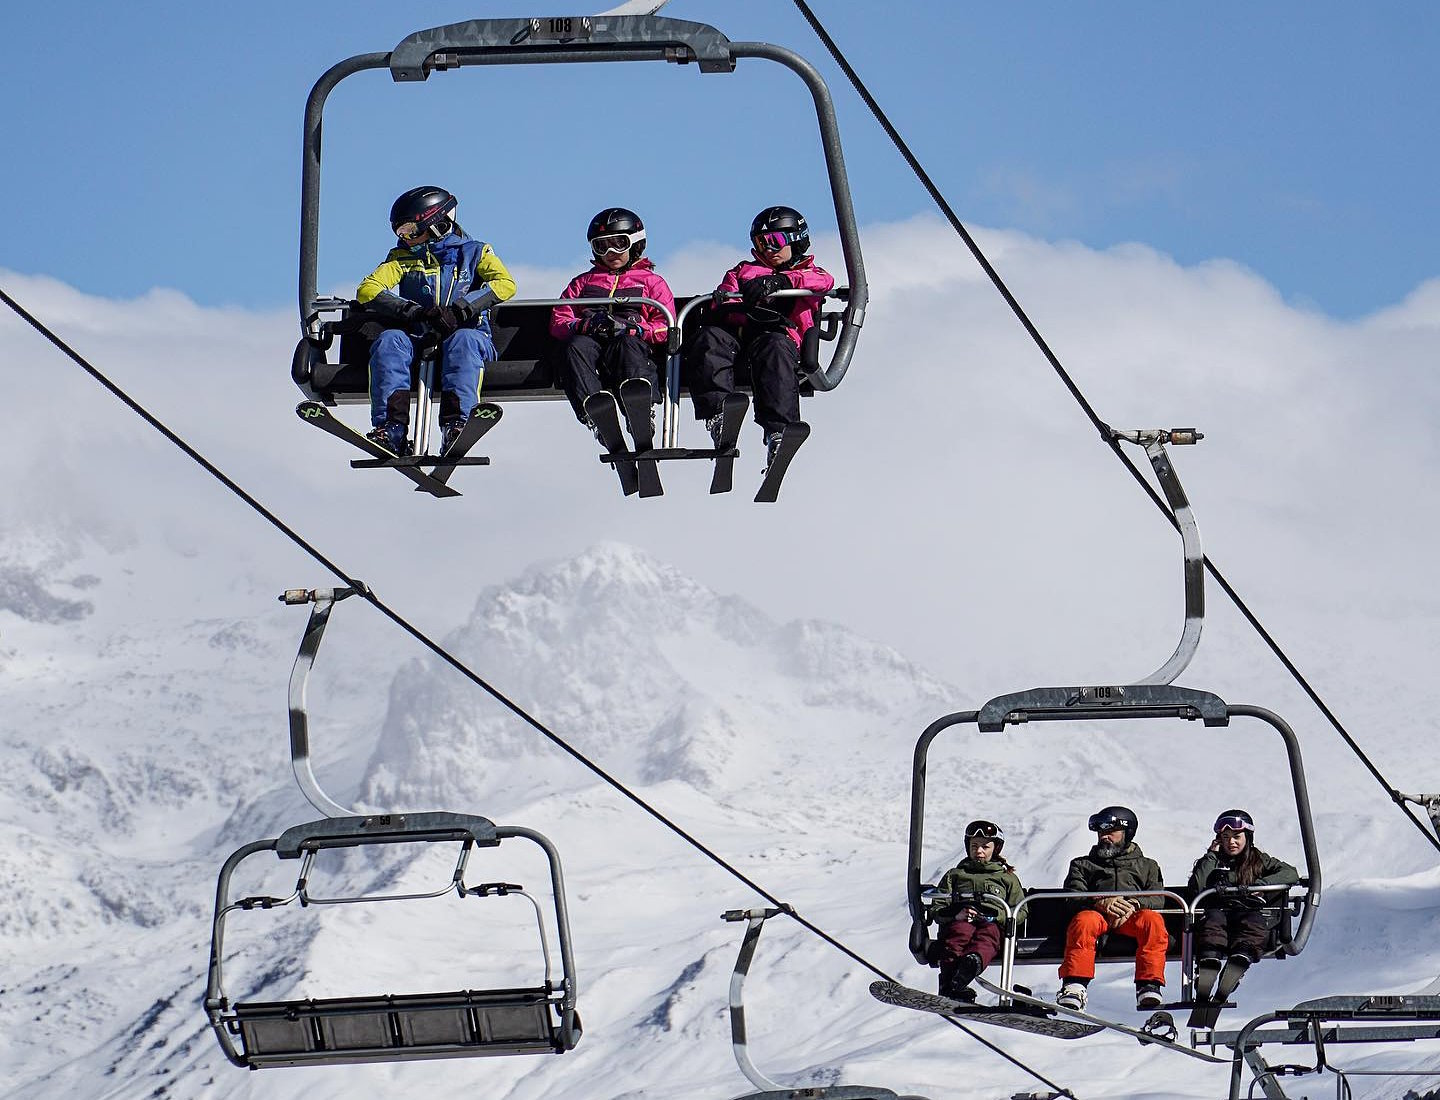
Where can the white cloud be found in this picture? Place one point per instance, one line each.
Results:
(953, 501)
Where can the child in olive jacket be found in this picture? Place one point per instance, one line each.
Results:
(972, 927)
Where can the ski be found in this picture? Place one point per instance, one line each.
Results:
(482, 418)
(312, 412)
(1213, 997)
(732, 419)
(790, 442)
(604, 413)
(637, 398)
(1156, 1024)
(1034, 1021)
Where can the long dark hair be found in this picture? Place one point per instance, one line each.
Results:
(1251, 862)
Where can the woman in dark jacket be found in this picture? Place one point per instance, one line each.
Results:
(1234, 924)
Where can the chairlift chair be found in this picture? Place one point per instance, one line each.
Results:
(521, 370)
(1320, 1024)
(1040, 937)
(540, 1018)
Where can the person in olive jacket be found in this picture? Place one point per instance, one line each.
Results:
(971, 928)
(1114, 863)
(1236, 922)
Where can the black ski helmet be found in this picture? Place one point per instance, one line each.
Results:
(989, 831)
(429, 208)
(1237, 821)
(1115, 817)
(616, 221)
(788, 222)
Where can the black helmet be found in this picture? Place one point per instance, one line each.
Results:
(989, 831)
(1235, 820)
(423, 211)
(1115, 817)
(789, 226)
(612, 226)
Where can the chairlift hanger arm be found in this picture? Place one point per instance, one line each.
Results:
(324, 600)
(1154, 440)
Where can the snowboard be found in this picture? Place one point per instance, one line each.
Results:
(1159, 1029)
(637, 398)
(312, 412)
(791, 440)
(604, 413)
(1016, 1017)
(732, 419)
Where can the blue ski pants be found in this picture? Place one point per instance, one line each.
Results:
(462, 359)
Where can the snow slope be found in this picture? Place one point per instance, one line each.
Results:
(140, 750)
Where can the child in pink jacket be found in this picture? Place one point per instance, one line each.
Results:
(601, 347)
(764, 332)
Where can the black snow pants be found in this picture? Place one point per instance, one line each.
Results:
(584, 366)
(708, 368)
(1224, 932)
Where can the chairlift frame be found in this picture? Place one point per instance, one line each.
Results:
(587, 39)
(539, 1019)
(1154, 696)
(770, 1090)
(1321, 1023)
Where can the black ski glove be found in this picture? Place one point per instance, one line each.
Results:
(756, 290)
(464, 313)
(441, 320)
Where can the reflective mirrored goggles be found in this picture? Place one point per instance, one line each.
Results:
(616, 242)
(415, 230)
(1105, 823)
(774, 241)
(1234, 824)
(987, 830)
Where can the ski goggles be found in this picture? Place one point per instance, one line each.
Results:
(413, 231)
(616, 242)
(1105, 823)
(774, 241)
(1234, 824)
(987, 830)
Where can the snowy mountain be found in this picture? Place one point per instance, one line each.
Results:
(140, 750)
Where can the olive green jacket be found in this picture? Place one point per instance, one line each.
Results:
(1129, 869)
(988, 879)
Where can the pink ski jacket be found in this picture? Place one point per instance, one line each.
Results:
(806, 274)
(640, 278)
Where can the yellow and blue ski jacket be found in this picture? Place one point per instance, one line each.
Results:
(437, 273)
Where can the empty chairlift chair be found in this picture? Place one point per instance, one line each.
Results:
(538, 1018)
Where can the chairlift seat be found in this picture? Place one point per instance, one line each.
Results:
(391, 1028)
(522, 369)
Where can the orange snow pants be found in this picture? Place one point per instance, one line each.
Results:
(1145, 926)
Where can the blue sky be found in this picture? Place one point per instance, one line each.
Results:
(1291, 137)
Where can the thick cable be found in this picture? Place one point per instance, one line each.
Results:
(363, 590)
(945, 208)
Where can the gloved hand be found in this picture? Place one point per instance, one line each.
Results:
(624, 326)
(464, 313)
(754, 291)
(441, 320)
(596, 323)
(1252, 899)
